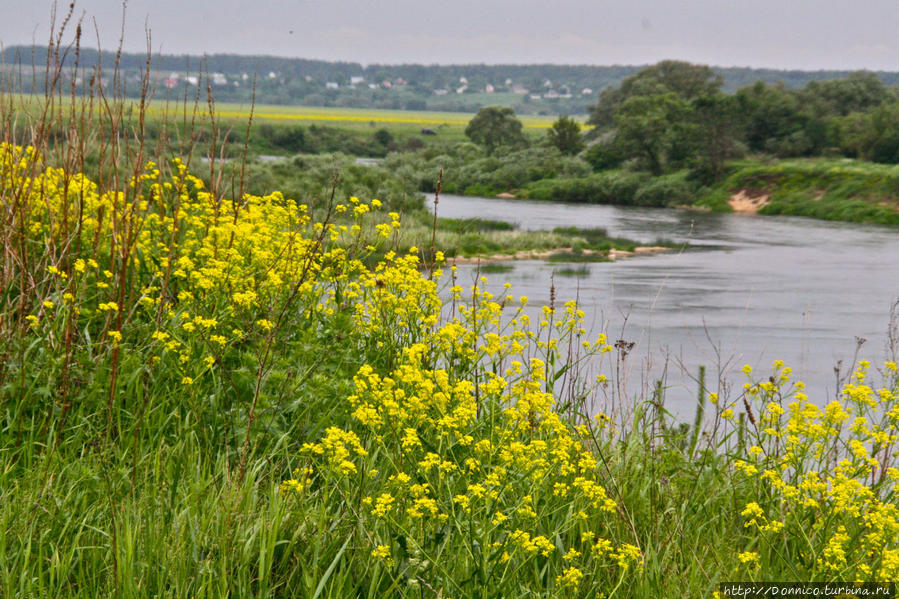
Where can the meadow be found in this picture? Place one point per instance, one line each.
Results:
(174, 108)
(364, 117)
(208, 392)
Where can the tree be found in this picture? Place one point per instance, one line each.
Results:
(495, 126)
(873, 136)
(685, 80)
(773, 115)
(605, 153)
(717, 119)
(653, 128)
(565, 134)
(602, 114)
(383, 137)
(861, 91)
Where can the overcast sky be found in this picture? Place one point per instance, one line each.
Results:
(800, 34)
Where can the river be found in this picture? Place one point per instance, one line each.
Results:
(748, 290)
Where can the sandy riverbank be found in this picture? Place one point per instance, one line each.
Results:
(746, 202)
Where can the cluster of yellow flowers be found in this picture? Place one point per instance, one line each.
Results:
(461, 436)
(825, 486)
(203, 271)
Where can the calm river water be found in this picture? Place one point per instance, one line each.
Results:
(750, 289)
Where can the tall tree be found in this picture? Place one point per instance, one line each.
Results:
(873, 136)
(773, 115)
(685, 80)
(717, 121)
(495, 126)
(861, 91)
(565, 134)
(651, 127)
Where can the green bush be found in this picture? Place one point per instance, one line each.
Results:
(311, 178)
(467, 170)
(667, 190)
(610, 187)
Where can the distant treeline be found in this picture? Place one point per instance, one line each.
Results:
(676, 115)
(545, 88)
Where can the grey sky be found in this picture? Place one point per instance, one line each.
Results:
(801, 34)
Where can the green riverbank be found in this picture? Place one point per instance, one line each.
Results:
(830, 189)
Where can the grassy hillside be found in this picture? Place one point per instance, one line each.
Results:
(844, 189)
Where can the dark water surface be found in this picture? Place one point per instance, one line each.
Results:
(750, 289)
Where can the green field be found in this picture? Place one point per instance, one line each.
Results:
(361, 118)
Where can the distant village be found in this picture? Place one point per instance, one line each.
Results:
(548, 91)
(378, 90)
(529, 89)
(456, 93)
